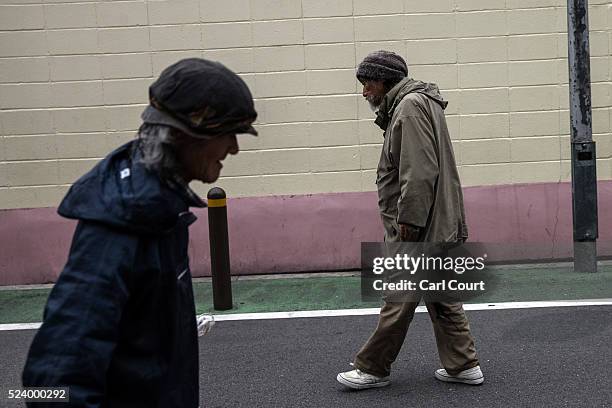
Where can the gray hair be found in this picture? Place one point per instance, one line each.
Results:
(156, 143)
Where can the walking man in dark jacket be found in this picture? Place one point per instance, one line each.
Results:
(119, 326)
(420, 199)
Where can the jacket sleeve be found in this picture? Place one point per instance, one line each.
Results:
(418, 168)
(74, 346)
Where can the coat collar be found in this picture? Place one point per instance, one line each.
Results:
(390, 102)
(398, 92)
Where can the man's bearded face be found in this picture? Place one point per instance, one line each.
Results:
(374, 91)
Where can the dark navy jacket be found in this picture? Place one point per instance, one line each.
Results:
(119, 326)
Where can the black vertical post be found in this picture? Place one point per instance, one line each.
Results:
(584, 176)
(219, 249)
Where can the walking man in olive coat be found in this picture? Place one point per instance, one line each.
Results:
(420, 199)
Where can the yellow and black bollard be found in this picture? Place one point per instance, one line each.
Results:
(219, 249)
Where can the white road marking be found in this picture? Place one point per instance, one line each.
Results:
(420, 309)
(19, 326)
(366, 312)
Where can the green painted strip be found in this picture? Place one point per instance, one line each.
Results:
(343, 292)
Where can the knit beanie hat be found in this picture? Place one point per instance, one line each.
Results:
(382, 66)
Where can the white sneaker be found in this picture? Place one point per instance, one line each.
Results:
(472, 376)
(204, 324)
(359, 380)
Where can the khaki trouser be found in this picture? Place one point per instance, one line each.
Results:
(455, 343)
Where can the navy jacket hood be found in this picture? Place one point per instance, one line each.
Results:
(120, 192)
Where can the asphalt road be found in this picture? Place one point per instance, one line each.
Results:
(554, 357)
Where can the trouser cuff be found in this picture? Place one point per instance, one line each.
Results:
(366, 369)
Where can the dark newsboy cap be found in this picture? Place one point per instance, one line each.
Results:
(201, 98)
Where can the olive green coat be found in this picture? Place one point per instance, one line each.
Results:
(417, 176)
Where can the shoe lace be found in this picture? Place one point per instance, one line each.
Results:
(356, 369)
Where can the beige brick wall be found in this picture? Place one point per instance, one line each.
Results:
(74, 77)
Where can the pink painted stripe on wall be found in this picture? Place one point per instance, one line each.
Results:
(318, 232)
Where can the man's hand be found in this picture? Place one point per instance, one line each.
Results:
(409, 233)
